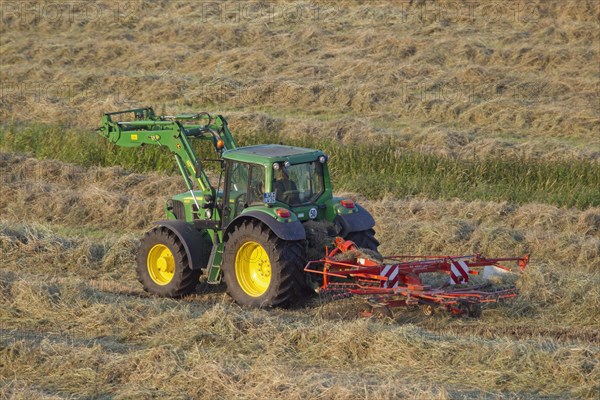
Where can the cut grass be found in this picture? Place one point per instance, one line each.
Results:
(95, 321)
(440, 67)
(75, 322)
(373, 169)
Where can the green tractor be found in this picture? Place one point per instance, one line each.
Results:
(249, 230)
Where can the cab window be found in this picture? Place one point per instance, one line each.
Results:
(257, 185)
(246, 187)
(238, 187)
(299, 184)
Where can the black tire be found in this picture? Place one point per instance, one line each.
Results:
(183, 281)
(471, 310)
(364, 239)
(474, 310)
(286, 258)
(367, 310)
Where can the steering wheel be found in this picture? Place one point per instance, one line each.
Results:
(257, 191)
(290, 195)
(240, 203)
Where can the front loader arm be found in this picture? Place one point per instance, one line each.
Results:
(147, 129)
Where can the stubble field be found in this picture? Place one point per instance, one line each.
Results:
(462, 128)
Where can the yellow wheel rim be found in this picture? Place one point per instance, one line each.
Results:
(253, 269)
(161, 264)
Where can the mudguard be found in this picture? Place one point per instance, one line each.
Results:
(355, 222)
(284, 230)
(196, 246)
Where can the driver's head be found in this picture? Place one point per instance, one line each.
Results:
(282, 174)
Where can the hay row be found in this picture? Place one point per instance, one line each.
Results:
(445, 83)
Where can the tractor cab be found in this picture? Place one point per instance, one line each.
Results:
(248, 230)
(275, 177)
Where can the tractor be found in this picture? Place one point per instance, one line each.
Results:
(249, 230)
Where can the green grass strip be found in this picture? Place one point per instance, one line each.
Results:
(374, 169)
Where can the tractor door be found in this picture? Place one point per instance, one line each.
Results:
(245, 187)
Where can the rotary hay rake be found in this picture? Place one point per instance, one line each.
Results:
(395, 281)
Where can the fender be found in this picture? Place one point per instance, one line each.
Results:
(196, 246)
(355, 222)
(284, 230)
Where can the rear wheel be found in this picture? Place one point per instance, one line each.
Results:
(365, 240)
(163, 265)
(262, 270)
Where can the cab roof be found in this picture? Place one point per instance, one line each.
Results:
(269, 153)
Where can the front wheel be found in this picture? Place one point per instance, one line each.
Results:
(262, 270)
(162, 264)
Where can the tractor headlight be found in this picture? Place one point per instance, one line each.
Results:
(322, 159)
(287, 164)
(276, 166)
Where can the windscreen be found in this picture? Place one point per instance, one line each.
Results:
(299, 184)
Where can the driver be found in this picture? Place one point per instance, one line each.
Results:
(283, 184)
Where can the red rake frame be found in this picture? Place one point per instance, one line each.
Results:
(399, 284)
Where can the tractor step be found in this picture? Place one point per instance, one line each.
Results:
(214, 264)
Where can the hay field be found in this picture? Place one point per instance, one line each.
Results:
(75, 321)
(508, 83)
(511, 78)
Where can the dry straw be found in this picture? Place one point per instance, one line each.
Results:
(450, 78)
(72, 306)
(74, 322)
